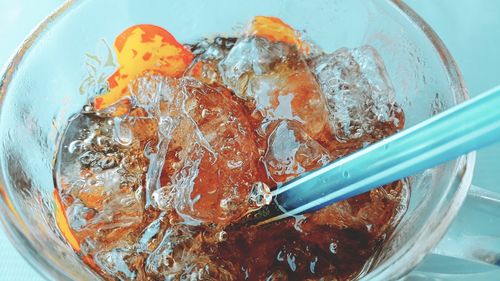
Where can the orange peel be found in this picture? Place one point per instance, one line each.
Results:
(274, 30)
(62, 222)
(139, 49)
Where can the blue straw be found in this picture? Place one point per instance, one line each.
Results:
(469, 126)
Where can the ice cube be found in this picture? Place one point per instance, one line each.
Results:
(101, 166)
(275, 76)
(161, 259)
(157, 104)
(372, 212)
(358, 90)
(213, 48)
(208, 55)
(181, 256)
(113, 263)
(146, 91)
(213, 159)
(152, 230)
(291, 152)
(251, 56)
(79, 215)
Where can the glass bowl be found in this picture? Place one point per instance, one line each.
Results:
(39, 91)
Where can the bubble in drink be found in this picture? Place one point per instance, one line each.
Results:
(333, 247)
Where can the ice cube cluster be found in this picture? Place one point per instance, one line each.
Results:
(150, 186)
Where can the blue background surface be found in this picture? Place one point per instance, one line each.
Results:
(470, 29)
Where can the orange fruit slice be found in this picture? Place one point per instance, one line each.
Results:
(62, 222)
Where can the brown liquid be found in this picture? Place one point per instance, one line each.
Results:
(236, 152)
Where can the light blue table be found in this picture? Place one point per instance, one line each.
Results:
(470, 29)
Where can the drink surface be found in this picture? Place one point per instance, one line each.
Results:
(187, 139)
